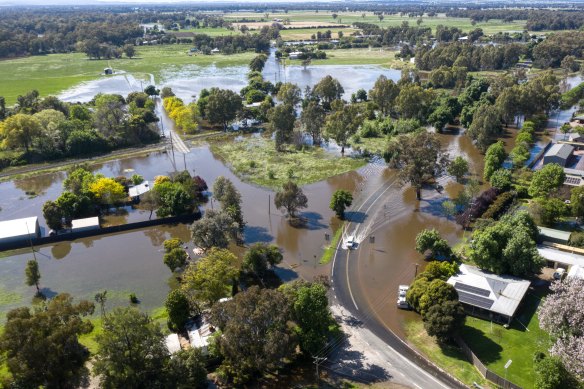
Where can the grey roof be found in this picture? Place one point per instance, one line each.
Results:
(499, 294)
(554, 234)
(560, 150)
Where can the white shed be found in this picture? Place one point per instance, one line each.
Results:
(17, 230)
(90, 223)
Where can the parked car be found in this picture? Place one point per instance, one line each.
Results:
(559, 273)
(402, 303)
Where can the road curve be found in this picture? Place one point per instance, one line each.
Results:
(347, 293)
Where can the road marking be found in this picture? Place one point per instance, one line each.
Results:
(348, 283)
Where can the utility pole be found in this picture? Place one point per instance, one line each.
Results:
(318, 360)
(416, 273)
(30, 240)
(269, 204)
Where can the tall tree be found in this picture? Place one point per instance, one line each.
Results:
(494, 158)
(42, 345)
(327, 90)
(486, 124)
(214, 229)
(546, 180)
(418, 157)
(458, 168)
(444, 320)
(343, 123)
(19, 130)
(313, 118)
(230, 199)
(33, 275)
(178, 309)
(291, 198)
(384, 93)
(281, 121)
(255, 332)
(222, 106)
(131, 352)
(186, 369)
(290, 94)
(210, 279)
(339, 201)
(260, 257)
(414, 102)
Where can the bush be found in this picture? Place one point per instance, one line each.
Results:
(577, 239)
(501, 179)
(499, 206)
(134, 298)
(480, 206)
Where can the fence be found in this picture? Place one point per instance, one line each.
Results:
(488, 374)
(100, 231)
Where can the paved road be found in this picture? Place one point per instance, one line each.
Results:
(401, 358)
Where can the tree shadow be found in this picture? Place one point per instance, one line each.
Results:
(48, 293)
(257, 234)
(353, 363)
(311, 221)
(434, 207)
(355, 216)
(485, 349)
(285, 274)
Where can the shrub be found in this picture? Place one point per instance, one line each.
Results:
(499, 206)
(134, 298)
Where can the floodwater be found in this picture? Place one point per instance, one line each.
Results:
(187, 81)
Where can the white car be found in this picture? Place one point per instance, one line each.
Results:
(350, 242)
(401, 297)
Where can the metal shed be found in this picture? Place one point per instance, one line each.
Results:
(558, 153)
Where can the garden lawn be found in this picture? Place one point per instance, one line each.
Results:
(53, 73)
(253, 158)
(376, 145)
(330, 250)
(495, 345)
(448, 358)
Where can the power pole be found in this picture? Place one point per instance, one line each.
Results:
(416, 273)
(269, 204)
(318, 360)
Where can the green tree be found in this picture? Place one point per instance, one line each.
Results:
(343, 123)
(546, 180)
(289, 94)
(414, 102)
(384, 93)
(291, 198)
(430, 239)
(444, 320)
(41, 345)
(547, 211)
(281, 121)
(178, 309)
(502, 179)
(131, 352)
(419, 158)
(33, 275)
(458, 168)
(151, 91)
(339, 201)
(550, 373)
(19, 130)
(52, 214)
(260, 256)
(186, 369)
(214, 229)
(327, 90)
(313, 119)
(230, 199)
(417, 289)
(257, 63)
(210, 279)
(222, 106)
(577, 201)
(255, 332)
(486, 124)
(175, 258)
(172, 199)
(494, 158)
(438, 292)
(129, 50)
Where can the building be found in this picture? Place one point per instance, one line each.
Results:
(488, 295)
(172, 343)
(88, 224)
(200, 332)
(215, 51)
(18, 230)
(553, 236)
(576, 271)
(558, 153)
(295, 55)
(138, 190)
(557, 258)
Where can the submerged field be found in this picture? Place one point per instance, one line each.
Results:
(53, 73)
(377, 56)
(255, 159)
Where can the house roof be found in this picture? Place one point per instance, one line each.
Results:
(499, 294)
(554, 234)
(87, 222)
(563, 257)
(560, 150)
(199, 332)
(172, 343)
(18, 227)
(139, 190)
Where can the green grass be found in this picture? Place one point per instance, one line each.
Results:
(448, 358)
(329, 251)
(372, 56)
(51, 74)
(348, 18)
(306, 33)
(495, 345)
(210, 31)
(373, 145)
(253, 157)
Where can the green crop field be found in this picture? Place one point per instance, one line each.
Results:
(306, 33)
(490, 27)
(51, 74)
(210, 31)
(385, 58)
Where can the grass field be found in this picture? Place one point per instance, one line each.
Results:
(495, 345)
(490, 27)
(385, 58)
(447, 357)
(330, 250)
(306, 33)
(254, 158)
(53, 73)
(210, 31)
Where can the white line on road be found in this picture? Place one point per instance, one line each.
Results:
(348, 283)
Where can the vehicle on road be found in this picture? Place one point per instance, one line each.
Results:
(350, 243)
(401, 297)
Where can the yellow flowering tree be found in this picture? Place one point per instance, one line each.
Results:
(107, 191)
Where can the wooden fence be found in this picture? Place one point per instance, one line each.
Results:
(488, 374)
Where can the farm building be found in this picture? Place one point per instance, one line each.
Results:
(136, 191)
(200, 332)
(19, 230)
(489, 295)
(295, 54)
(558, 153)
(553, 236)
(88, 224)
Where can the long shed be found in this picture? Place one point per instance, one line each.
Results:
(19, 229)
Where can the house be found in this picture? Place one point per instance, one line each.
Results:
(295, 55)
(553, 236)
(558, 153)
(215, 51)
(200, 332)
(172, 343)
(18, 230)
(87, 224)
(557, 258)
(138, 190)
(108, 71)
(487, 295)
